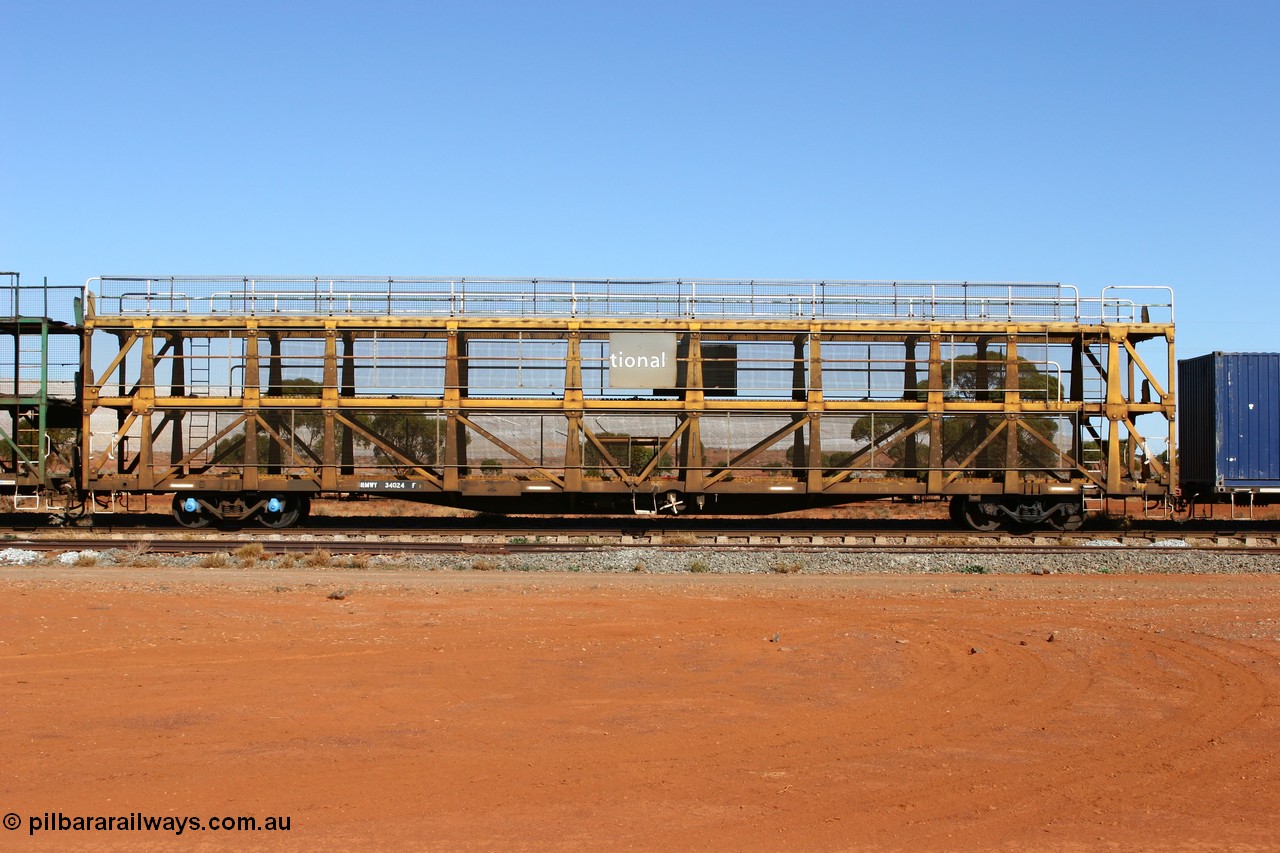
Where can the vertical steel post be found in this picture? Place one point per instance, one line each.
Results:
(177, 388)
(692, 462)
(1115, 408)
(1077, 398)
(1013, 479)
(121, 416)
(275, 388)
(935, 401)
(982, 394)
(145, 398)
(329, 407)
(251, 402)
(800, 460)
(42, 419)
(814, 406)
(347, 392)
(454, 431)
(573, 407)
(910, 392)
(88, 393)
(1169, 403)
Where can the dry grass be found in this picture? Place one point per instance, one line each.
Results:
(250, 552)
(139, 554)
(385, 507)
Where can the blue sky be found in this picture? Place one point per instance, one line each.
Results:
(1129, 143)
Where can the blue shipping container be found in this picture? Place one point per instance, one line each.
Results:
(1229, 422)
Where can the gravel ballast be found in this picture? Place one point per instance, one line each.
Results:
(697, 560)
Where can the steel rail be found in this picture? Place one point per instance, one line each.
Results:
(567, 539)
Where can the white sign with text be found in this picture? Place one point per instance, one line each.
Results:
(642, 360)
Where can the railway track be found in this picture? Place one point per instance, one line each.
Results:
(516, 536)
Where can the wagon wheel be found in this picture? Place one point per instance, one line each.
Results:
(284, 511)
(976, 519)
(1071, 519)
(188, 512)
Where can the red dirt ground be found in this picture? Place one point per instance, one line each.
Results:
(474, 711)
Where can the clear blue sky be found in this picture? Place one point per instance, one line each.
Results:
(1089, 143)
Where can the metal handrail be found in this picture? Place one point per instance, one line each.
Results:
(573, 298)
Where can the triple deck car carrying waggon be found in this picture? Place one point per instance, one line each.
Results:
(246, 397)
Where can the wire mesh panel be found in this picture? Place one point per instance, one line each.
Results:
(39, 348)
(520, 367)
(32, 301)
(30, 365)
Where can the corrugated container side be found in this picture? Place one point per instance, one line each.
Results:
(1229, 421)
(1249, 400)
(1197, 454)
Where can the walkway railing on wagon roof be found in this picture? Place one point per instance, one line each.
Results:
(36, 301)
(38, 339)
(625, 298)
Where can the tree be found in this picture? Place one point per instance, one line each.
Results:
(301, 427)
(310, 420)
(415, 436)
(633, 455)
(975, 380)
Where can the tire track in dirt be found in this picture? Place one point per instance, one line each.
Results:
(1093, 718)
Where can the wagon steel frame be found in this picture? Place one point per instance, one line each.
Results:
(32, 466)
(1121, 369)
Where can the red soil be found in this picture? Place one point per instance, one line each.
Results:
(471, 711)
